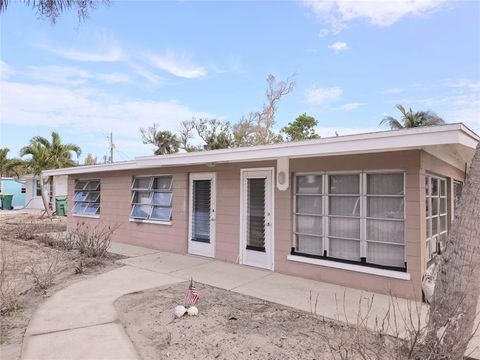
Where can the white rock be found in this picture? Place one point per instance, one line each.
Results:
(192, 311)
(180, 310)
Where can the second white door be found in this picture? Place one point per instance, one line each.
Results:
(256, 235)
(201, 235)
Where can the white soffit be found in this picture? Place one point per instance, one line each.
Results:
(382, 141)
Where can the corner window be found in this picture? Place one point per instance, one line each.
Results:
(351, 217)
(457, 193)
(86, 200)
(436, 215)
(152, 198)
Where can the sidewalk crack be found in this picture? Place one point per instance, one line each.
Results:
(116, 321)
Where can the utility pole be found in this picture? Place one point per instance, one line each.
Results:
(112, 146)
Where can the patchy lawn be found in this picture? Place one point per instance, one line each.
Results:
(32, 268)
(228, 326)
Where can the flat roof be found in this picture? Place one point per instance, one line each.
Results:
(381, 141)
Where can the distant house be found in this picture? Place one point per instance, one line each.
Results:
(33, 197)
(16, 188)
(369, 211)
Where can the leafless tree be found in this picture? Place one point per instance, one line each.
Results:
(244, 131)
(257, 128)
(185, 134)
(266, 117)
(90, 160)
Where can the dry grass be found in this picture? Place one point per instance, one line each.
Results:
(34, 263)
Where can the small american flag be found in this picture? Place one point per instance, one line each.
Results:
(192, 294)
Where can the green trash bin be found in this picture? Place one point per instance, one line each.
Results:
(7, 201)
(61, 206)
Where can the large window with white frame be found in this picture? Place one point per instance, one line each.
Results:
(86, 199)
(352, 217)
(152, 198)
(436, 215)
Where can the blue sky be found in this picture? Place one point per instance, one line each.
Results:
(135, 63)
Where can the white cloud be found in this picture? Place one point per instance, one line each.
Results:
(106, 50)
(466, 84)
(392, 91)
(321, 96)
(350, 106)
(58, 74)
(5, 70)
(324, 33)
(378, 12)
(71, 76)
(338, 47)
(86, 110)
(177, 64)
(114, 78)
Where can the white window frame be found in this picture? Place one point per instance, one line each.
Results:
(148, 219)
(38, 187)
(430, 254)
(97, 201)
(362, 218)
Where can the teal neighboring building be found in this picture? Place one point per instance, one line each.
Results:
(16, 188)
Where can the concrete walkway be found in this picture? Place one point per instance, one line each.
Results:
(80, 322)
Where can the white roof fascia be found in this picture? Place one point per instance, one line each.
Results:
(363, 143)
(87, 169)
(383, 141)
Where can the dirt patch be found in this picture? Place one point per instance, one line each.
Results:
(32, 268)
(228, 326)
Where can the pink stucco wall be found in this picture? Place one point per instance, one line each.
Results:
(116, 199)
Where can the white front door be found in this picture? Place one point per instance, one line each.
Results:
(256, 231)
(201, 234)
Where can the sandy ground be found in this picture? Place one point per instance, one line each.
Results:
(18, 258)
(229, 326)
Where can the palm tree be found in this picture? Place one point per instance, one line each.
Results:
(10, 167)
(47, 154)
(165, 141)
(412, 119)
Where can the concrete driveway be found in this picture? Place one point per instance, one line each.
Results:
(80, 322)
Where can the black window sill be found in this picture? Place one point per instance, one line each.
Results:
(362, 262)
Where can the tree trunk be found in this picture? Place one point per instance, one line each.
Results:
(45, 202)
(452, 315)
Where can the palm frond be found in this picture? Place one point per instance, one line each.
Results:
(392, 122)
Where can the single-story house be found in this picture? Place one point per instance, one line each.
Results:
(369, 211)
(15, 187)
(33, 197)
